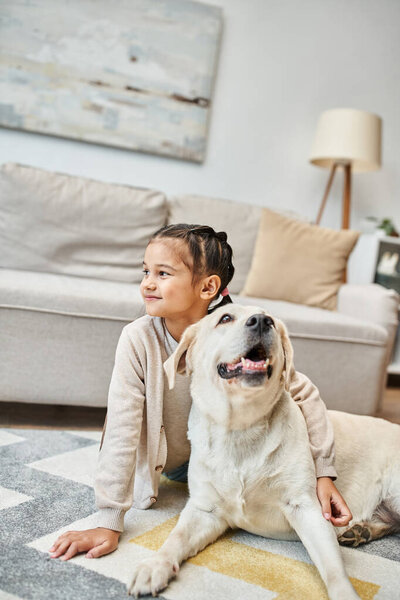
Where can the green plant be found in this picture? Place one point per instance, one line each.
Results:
(386, 225)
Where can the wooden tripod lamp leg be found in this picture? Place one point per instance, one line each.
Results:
(346, 204)
(346, 197)
(327, 189)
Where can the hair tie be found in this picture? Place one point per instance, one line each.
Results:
(225, 292)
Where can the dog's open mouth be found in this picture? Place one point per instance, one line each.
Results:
(254, 362)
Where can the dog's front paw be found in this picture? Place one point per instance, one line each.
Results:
(151, 576)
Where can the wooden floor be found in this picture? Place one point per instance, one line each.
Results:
(44, 416)
(41, 416)
(391, 405)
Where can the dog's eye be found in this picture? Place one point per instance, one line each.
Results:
(225, 319)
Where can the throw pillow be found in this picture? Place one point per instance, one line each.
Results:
(298, 262)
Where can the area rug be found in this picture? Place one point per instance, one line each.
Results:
(46, 488)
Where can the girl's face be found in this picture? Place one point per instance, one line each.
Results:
(167, 287)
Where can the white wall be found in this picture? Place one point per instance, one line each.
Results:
(282, 63)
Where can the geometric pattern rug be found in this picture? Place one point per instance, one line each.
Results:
(46, 488)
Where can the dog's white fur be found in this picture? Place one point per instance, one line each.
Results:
(251, 465)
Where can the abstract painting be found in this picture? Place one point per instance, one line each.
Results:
(135, 74)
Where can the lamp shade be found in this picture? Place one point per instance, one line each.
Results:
(346, 135)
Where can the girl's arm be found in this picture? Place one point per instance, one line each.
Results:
(320, 431)
(322, 443)
(115, 471)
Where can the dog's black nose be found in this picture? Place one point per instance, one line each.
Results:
(259, 323)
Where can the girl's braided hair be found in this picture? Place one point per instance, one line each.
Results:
(211, 254)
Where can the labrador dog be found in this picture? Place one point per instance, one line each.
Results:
(251, 465)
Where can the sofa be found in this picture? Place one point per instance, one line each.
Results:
(70, 266)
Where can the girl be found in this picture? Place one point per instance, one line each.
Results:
(185, 268)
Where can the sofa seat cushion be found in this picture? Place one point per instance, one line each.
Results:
(58, 223)
(69, 295)
(122, 301)
(318, 323)
(59, 334)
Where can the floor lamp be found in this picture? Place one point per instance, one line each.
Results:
(346, 138)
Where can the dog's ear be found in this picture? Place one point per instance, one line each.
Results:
(287, 352)
(179, 361)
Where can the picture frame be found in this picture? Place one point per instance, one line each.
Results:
(128, 74)
(387, 263)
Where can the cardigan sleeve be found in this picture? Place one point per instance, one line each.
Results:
(116, 464)
(320, 430)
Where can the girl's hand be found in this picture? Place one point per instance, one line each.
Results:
(97, 541)
(334, 508)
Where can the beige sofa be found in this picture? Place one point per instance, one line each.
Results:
(70, 266)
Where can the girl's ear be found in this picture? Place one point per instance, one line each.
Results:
(287, 353)
(179, 361)
(210, 286)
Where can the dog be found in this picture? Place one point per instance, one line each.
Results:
(251, 465)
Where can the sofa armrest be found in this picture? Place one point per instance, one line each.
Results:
(369, 302)
(374, 303)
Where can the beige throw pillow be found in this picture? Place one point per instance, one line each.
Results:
(298, 262)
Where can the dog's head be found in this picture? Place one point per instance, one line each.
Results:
(236, 353)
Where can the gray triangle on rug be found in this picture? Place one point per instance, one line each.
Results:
(46, 488)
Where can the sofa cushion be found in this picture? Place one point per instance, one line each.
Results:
(59, 334)
(69, 295)
(298, 262)
(240, 221)
(60, 223)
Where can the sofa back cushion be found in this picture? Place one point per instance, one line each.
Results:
(60, 223)
(239, 220)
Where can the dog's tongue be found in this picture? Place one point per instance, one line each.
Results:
(249, 365)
